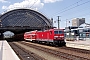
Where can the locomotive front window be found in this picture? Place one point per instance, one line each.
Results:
(58, 32)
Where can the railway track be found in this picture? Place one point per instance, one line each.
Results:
(76, 50)
(23, 53)
(59, 53)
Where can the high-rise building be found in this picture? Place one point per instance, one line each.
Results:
(78, 21)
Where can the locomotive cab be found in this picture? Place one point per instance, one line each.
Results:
(59, 37)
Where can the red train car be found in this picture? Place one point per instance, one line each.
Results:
(30, 36)
(51, 36)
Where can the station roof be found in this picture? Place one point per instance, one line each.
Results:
(24, 18)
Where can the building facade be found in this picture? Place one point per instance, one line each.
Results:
(78, 21)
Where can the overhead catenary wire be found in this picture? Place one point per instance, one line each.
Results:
(75, 6)
(69, 8)
(64, 9)
(68, 20)
(33, 4)
(82, 10)
(79, 16)
(79, 11)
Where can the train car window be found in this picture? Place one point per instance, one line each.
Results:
(56, 32)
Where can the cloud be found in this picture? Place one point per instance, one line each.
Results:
(51, 1)
(4, 7)
(32, 4)
(29, 4)
(4, 1)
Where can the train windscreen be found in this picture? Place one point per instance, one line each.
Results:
(58, 32)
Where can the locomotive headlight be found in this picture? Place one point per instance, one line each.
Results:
(55, 36)
(61, 36)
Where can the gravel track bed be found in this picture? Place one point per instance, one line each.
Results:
(67, 54)
(42, 54)
(24, 54)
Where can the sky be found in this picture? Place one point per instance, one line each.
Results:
(66, 9)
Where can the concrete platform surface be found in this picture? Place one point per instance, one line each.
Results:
(82, 44)
(6, 52)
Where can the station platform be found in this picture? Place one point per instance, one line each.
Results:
(82, 44)
(6, 52)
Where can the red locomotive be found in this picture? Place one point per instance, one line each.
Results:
(51, 36)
